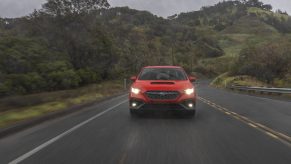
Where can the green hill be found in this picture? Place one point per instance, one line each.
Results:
(243, 27)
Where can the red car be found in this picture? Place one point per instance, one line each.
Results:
(166, 88)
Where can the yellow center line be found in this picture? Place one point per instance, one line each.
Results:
(272, 135)
(270, 132)
(252, 125)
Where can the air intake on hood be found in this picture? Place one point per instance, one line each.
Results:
(169, 83)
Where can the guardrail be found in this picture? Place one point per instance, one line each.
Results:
(261, 90)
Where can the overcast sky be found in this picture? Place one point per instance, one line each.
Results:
(17, 8)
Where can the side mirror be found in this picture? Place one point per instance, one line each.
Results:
(133, 78)
(192, 79)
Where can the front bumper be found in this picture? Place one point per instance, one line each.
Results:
(142, 103)
(184, 105)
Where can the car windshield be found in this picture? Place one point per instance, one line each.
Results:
(162, 74)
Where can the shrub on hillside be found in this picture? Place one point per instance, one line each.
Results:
(265, 62)
(22, 84)
(208, 47)
(88, 76)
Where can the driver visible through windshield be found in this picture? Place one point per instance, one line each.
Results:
(162, 74)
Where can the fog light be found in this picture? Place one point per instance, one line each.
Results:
(190, 105)
(133, 104)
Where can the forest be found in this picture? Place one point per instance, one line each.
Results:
(68, 44)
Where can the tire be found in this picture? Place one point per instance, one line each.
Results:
(190, 114)
(133, 112)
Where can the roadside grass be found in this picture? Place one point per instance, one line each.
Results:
(283, 83)
(225, 80)
(244, 80)
(20, 108)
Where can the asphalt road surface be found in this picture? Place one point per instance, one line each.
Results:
(229, 128)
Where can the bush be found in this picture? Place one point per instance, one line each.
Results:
(22, 84)
(265, 62)
(225, 80)
(208, 48)
(4, 90)
(88, 76)
(33, 82)
(63, 79)
(284, 82)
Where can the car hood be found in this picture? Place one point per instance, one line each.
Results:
(147, 85)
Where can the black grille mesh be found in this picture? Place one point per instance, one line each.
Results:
(162, 95)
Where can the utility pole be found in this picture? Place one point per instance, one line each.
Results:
(191, 63)
(173, 55)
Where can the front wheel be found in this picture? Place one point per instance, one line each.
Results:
(190, 114)
(133, 112)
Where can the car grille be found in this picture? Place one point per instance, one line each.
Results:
(162, 95)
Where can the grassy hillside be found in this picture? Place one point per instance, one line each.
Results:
(265, 14)
(238, 26)
(250, 25)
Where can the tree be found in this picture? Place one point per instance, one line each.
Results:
(267, 7)
(254, 3)
(64, 7)
(271, 61)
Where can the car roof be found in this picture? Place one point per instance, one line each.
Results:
(162, 67)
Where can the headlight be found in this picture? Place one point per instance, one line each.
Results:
(189, 91)
(135, 90)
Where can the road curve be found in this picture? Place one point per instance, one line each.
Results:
(106, 133)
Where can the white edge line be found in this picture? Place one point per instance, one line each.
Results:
(51, 141)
